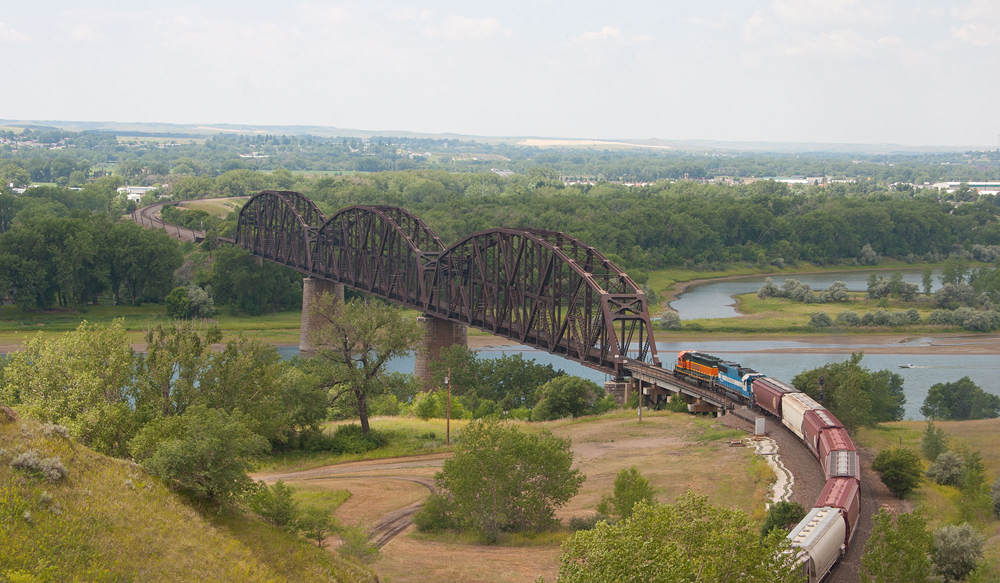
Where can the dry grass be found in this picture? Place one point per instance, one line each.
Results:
(110, 521)
(674, 451)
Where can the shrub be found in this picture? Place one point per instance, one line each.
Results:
(670, 320)
(941, 317)
(631, 488)
(897, 552)
(982, 321)
(50, 429)
(352, 439)
(848, 318)
(177, 303)
(519, 414)
(578, 523)
(957, 551)
(820, 320)
(354, 543)
(838, 292)
(912, 316)
(768, 290)
(947, 469)
(566, 396)
(783, 515)
(899, 469)
(275, 504)
(677, 404)
(880, 318)
(435, 515)
(868, 319)
(898, 319)
(995, 497)
(51, 468)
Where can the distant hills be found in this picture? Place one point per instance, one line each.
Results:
(198, 130)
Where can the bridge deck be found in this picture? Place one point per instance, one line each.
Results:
(664, 378)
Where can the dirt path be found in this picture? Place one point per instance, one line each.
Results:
(387, 527)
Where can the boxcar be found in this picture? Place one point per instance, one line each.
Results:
(813, 423)
(793, 409)
(767, 394)
(843, 493)
(834, 439)
(842, 464)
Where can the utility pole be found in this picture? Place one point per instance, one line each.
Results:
(447, 413)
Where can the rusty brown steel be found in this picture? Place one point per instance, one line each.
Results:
(541, 288)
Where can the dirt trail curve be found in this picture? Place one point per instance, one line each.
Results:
(387, 527)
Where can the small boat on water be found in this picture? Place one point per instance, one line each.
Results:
(906, 365)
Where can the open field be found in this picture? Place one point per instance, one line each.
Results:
(941, 503)
(674, 451)
(219, 207)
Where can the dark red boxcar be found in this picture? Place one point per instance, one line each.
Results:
(842, 464)
(834, 439)
(843, 493)
(767, 393)
(813, 423)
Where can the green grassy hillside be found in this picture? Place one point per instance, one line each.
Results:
(108, 520)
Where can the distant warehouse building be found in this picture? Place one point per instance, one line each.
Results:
(136, 192)
(980, 187)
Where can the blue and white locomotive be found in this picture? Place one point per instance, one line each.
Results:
(737, 379)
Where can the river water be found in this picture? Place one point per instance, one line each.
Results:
(715, 299)
(928, 370)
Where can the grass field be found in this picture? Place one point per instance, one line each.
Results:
(107, 520)
(942, 504)
(674, 451)
(219, 207)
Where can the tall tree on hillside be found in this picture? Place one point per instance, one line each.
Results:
(356, 341)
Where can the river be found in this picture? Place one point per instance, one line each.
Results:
(782, 361)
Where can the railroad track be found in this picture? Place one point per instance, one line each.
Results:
(149, 217)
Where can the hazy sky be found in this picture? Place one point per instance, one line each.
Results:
(908, 72)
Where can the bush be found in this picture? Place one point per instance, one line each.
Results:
(783, 515)
(275, 504)
(880, 318)
(898, 319)
(578, 523)
(947, 469)
(435, 515)
(820, 320)
(503, 479)
(354, 543)
(631, 488)
(568, 396)
(838, 292)
(995, 497)
(211, 456)
(899, 469)
(957, 551)
(177, 303)
(52, 469)
(912, 316)
(768, 290)
(868, 319)
(519, 414)
(670, 320)
(848, 318)
(677, 404)
(351, 439)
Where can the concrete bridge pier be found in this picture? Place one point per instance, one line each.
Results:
(438, 335)
(312, 289)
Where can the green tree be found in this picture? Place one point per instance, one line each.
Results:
(959, 401)
(928, 281)
(856, 395)
(690, 540)
(239, 282)
(954, 271)
(631, 488)
(316, 523)
(899, 469)
(567, 396)
(12, 175)
(356, 341)
(177, 303)
(141, 261)
(82, 379)
(502, 479)
(210, 455)
(934, 442)
(897, 551)
(782, 516)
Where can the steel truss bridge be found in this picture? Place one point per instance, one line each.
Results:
(539, 288)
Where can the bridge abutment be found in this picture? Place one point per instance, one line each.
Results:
(312, 289)
(438, 335)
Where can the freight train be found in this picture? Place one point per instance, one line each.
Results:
(824, 535)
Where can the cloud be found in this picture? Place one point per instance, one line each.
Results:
(459, 28)
(606, 33)
(980, 35)
(9, 35)
(81, 32)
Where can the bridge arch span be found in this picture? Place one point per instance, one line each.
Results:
(279, 226)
